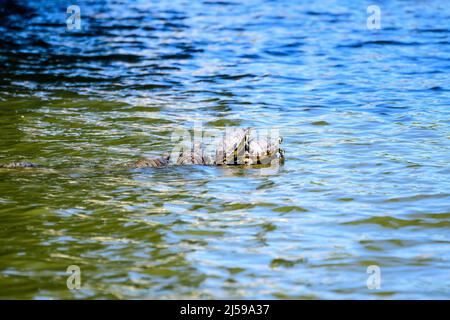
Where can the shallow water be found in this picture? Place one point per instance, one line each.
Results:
(365, 120)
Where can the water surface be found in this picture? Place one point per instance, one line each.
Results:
(365, 119)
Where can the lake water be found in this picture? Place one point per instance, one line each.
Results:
(364, 114)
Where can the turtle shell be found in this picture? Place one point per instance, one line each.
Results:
(264, 150)
(245, 147)
(230, 148)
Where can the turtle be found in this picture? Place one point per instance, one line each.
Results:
(235, 147)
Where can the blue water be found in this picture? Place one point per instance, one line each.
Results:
(364, 114)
